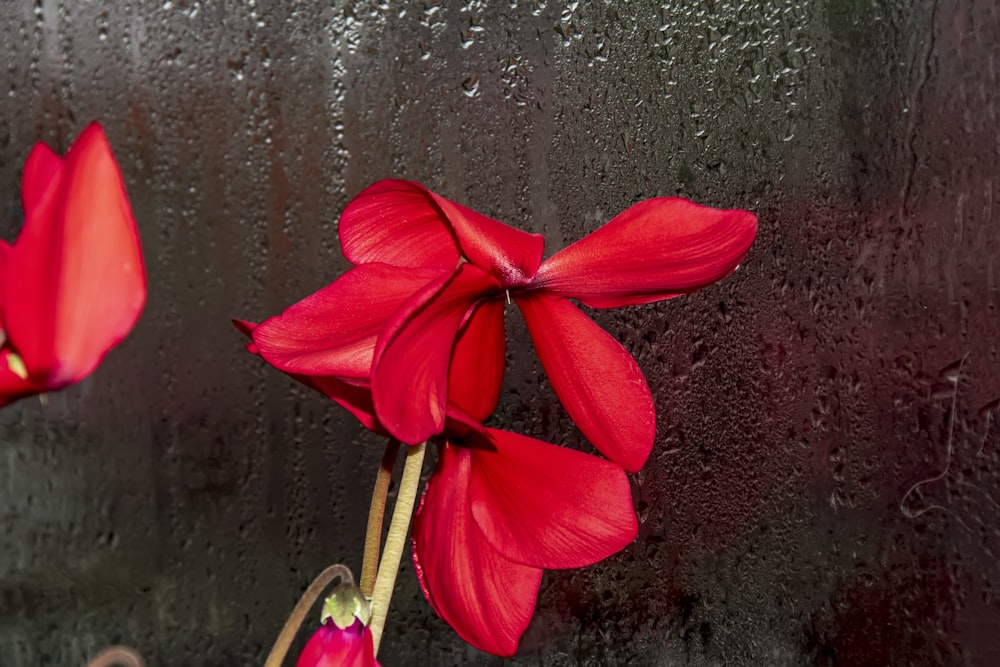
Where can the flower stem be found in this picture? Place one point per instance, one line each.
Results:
(117, 655)
(373, 536)
(308, 599)
(396, 540)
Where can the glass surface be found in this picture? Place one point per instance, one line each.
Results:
(825, 487)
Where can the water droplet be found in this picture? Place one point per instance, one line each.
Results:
(470, 87)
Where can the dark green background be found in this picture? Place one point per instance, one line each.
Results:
(824, 488)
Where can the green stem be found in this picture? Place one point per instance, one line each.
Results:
(117, 655)
(308, 599)
(376, 514)
(395, 541)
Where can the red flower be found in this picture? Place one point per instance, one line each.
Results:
(498, 509)
(73, 284)
(412, 342)
(344, 638)
(332, 646)
(422, 313)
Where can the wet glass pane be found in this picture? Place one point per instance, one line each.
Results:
(824, 485)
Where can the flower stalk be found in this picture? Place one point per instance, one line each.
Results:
(308, 599)
(395, 541)
(376, 514)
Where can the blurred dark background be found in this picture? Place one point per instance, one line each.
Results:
(824, 489)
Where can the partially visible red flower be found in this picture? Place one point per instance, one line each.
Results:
(73, 284)
(471, 266)
(344, 638)
(499, 509)
(331, 646)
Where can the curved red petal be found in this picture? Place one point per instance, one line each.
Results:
(41, 175)
(460, 425)
(549, 506)
(511, 255)
(246, 328)
(655, 250)
(396, 222)
(333, 331)
(74, 284)
(475, 375)
(410, 368)
(486, 598)
(331, 646)
(355, 397)
(595, 378)
(405, 224)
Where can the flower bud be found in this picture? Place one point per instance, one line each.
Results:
(344, 639)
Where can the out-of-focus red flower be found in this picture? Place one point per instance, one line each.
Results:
(73, 284)
(421, 314)
(499, 509)
(344, 638)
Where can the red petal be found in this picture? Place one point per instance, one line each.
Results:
(246, 328)
(395, 222)
(74, 284)
(331, 646)
(657, 249)
(355, 398)
(595, 378)
(410, 369)
(477, 362)
(41, 172)
(405, 224)
(511, 255)
(333, 331)
(486, 598)
(460, 424)
(549, 506)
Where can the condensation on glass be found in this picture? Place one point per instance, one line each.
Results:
(824, 488)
